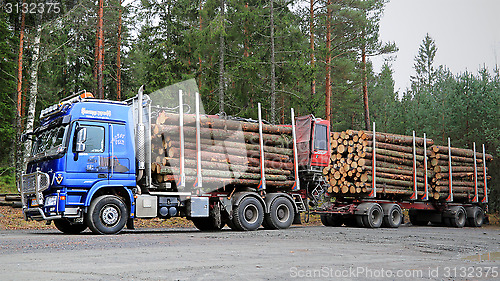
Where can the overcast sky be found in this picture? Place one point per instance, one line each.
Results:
(466, 32)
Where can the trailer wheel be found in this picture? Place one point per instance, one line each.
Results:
(66, 227)
(212, 223)
(475, 216)
(107, 214)
(359, 221)
(281, 214)
(416, 218)
(374, 216)
(459, 217)
(248, 215)
(392, 215)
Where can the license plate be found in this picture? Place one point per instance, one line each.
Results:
(34, 202)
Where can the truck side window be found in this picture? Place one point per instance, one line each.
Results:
(95, 139)
(320, 137)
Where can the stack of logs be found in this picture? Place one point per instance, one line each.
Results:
(230, 152)
(462, 167)
(351, 163)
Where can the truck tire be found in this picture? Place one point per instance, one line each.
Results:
(248, 215)
(475, 216)
(417, 218)
(374, 216)
(212, 223)
(66, 227)
(107, 214)
(281, 214)
(392, 215)
(459, 217)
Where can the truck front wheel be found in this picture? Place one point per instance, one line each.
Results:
(107, 214)
(66, 227)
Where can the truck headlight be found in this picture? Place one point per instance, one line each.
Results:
(51, 201)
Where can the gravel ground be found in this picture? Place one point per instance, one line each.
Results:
(301, 252)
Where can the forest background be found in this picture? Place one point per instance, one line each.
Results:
(314, 56)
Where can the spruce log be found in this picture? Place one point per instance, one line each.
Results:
(395, 147)
(214, 122)
(454, 158)
(221, 134)
(238, 160)
(229, 151)
(458, 182)
(397, 139)
(395, 182)
(189, 163)
(456, 169)
(221, 174)
(436, 162)
(420, 172)
(398, 154)
(229, 181)
(239, 145)
(460, 152)
(390, 159)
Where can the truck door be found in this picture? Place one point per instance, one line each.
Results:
(321, 146)
(88, 154)
(121, 154)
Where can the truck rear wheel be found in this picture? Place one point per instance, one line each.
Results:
(281, 214)
(374, 217)
(459, 216)
(475, 216)
(248, 215)
(66, 227)
(212, 223)
(107, 214)
(392, 215)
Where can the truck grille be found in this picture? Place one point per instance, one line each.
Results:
(35, 182)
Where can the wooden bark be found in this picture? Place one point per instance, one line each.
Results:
(395, 182)
(395, 147)
(456, 169)
(458, 183)
(221, 174)
(230, 152)
(397, 154)
(454, 158)
(190, 163)
(229, 181)
(396, 139)
(220, 134)
(217, 123)
(459, 152)
(205, 143)
(390, 159)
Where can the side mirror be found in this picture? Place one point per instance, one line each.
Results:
(81, 138)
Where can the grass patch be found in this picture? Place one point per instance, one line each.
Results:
(8, 180)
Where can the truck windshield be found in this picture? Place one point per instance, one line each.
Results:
(49, 140)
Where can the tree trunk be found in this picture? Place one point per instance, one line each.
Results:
(118, 56)
(459, 152)
(273, 68)
(100, 50)
(189, 163)
(19, 151)
(365, 90)
(33, 85)
(222, 52)
(328, 94)
(311, 41)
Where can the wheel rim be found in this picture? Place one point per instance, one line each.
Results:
(461, 218)
(395, 217)
(283, 213)
(110, 215)
(376, 217)
(251, 213)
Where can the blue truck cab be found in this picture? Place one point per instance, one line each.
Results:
(83, 149)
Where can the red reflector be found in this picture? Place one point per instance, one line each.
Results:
(62, 197)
